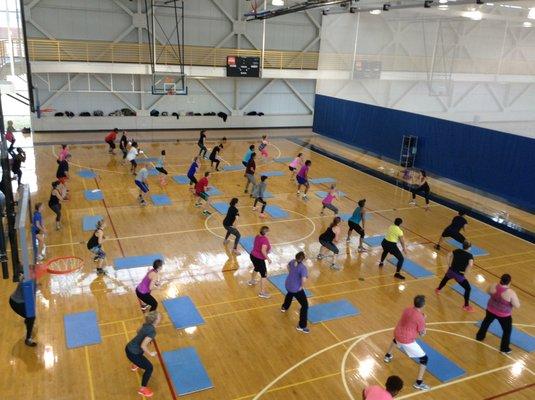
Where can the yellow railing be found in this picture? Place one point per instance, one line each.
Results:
(99, 51)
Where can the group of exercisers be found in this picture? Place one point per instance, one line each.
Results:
(412, 323)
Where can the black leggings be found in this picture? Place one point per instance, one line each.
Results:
(261, 200)
(392, 248)
(57, 210)
(203, 149)
(20, 309)
(148, 300)
(18, 172)
(301, 297)
(422, 189)
(465, 284)
(216, 161)
(142, 362)
(506, 324)
(233, 231)
(111, 143)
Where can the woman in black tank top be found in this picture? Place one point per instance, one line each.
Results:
(94, 245)
(328, 239)
(55, 203)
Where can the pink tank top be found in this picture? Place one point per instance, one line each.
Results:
(497, 305)
(295, 163)
(144, 285)
(328, 199)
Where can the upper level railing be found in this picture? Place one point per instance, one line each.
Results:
(108, 52)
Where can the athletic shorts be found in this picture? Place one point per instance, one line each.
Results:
(457, 236)
(161, 170)
(459, 278)
(356, 227)
(142, 186)
(202, 195)
(133, 162)
(413, 350)
(330, 245)
(111, 143)
(291, 168)
(301, 180)
(259, 266)
(192, 180)
(98, 252)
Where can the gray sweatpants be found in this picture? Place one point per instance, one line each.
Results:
(250, 180)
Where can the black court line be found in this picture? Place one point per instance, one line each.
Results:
(508, 227)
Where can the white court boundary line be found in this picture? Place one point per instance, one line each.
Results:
(363, 336)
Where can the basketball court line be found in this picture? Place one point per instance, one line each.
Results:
(89, 374)
(497, 396)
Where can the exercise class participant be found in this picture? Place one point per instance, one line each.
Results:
(327, 202)
(262, 147)
(10, 137)
(161, 169)
(193, 170)
(201, 143)
(259, 255)
(460, 262)
(358, 216)
(259, 191)
(16, 301)
(302, 179)
(247, 155)
(409, 328)
(423, 187)
(228, 224)
(214, 156)
(141, 182)
(296, 164)
(295, 287)
(393, 386)
(63, 152)
(94, 245)
(110, 139)
(453, 230)
(249, 173)
(500, 306)
(38, 231)
(200, 193)
(62, 173)
(328, 239)
(390, 245)
(54, 202)
(131, 157)
(145, 287)
(139, 346)
(123, 145)
(16, 164)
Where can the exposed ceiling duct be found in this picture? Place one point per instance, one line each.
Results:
(306, 5)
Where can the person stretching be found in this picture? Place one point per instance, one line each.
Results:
(200, 192)
(302, 179)
(423, 186)
(390, 245)
(110, 139)
(94, 245)
(201, 143)
(296, 164)
(228, 224)
(460, 262)
(453, 230)
(258, 194)
(408, 329)
(295, 287)
(214, 156)
(159, 166)
(145, 287)
(249, 173)
(247, 155)
(142, 183)
(327, 202)
(328, 239)
(259, 255)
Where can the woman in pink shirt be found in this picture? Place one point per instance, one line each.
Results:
(409, 328)
(327, 202)
(393, 386)
(259, 255)
(296, 164)
(500, 306)
(149, 282)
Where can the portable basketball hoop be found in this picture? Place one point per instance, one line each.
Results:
(64, 265)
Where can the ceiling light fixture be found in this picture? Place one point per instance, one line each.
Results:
(442, 1)
(375, 12)
(277, 3)
(531, 14)
(473, 15)
(527, 24)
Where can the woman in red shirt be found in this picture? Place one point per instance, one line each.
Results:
(110, 139)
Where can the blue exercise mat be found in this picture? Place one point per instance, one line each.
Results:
(212, 191)
(89, 222)
(520, 339)
(374, 241)
(81, 329)
(477, 295)
(160, 199)
(271, 173)
(152, 172)
(412, 268)
(93, 194)
(334, 310)
(247, 243)
(279, 282)
(321, 194)
(146, 160)
(183, 312)
(284, 160)
(186, 371)
(221, 207)
(145, 260)
(476, 251)
(86, 173)
(276, 212)
(181, 179)
(322, 180)
(439, 365)
(233, 167)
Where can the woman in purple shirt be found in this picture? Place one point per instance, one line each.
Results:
(259, 255)
(149, 282)
(295, 287)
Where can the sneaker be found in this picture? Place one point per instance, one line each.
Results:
(298, 192)
(134, 367)
(254, 208)
(335, 267)
(262, 215)
(236, 252)
(437, 291)
(421, 386)
(381, 264)
(437, 247)
(197, 204)
(469, 309)
(251, 282)
(145, 391)
(305, 197)
(30, 343)
(319, 257)
(412, 203)
(399, 276)
(245, 191)
(143, 203)
(100, 271)
(348, 240)
(322, 214)
(283, 310)
(362, 249)
(304, 330)
(145, 307)
(264, 295)
(388, 358)
(40, 257)
(207, 213)
(506, 352)
(225, 241)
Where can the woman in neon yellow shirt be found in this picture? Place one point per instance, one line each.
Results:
(390, 245)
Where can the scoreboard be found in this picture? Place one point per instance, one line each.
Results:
(247, 67)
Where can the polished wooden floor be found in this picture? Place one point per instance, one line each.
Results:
(248, 347)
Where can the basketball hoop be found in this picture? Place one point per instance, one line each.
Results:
(169, 85)
(64, 265)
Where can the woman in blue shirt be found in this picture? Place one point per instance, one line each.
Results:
(354, 222)
(38, 231)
